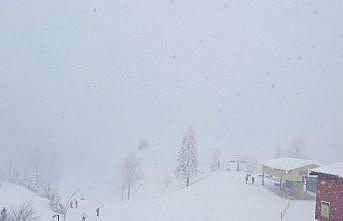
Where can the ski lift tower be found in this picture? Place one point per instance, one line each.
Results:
(237, 159)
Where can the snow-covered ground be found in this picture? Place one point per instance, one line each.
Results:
(12, 196)
(218, 196)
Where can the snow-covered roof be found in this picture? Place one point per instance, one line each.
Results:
(289, 163)
(335, 169)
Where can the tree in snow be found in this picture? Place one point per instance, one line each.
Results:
(34, 179)
(4, 214)
(23, 213)
(2, 175)
(215, 161)
(12, 173)
(279, 152)
(297, 149)
(130, 173)
(251, 164)
(55, 202)
(187, 158)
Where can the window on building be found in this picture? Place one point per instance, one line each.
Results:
(325, 209)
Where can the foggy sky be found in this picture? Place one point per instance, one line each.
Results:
(84, 81)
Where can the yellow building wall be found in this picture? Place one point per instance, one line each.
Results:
(296, 175)
(292, 175)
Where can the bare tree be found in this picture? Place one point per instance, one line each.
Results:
(4, 214)
(279, 152)
(187, 158)
(130, 173)
(55, 202)
(251, 164)
(10, 172)
(24, 213)
(215, 161)
(297, 149)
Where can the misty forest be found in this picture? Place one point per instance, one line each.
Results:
(171, 110)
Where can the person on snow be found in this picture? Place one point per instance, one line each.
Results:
(97, 212)
(252, 180)
(246, 179)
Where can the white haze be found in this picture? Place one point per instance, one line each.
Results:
(83, 81)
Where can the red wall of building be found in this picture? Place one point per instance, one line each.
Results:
(330, 189)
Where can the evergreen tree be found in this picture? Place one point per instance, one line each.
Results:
(187, 158)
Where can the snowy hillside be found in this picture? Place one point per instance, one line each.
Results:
(218, 196)
(12, 196)
(145, 110)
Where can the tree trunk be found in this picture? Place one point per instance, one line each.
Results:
(122, 194)
(128, 191)
(187, 181)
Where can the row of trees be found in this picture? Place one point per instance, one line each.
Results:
(21, 213)
(34, 171)
(297, 149)
(33, 182)
(130, 170)
(187, 162)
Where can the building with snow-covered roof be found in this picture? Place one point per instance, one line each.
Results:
(292, 174)
(329, 199)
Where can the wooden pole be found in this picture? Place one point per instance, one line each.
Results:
(281, 183)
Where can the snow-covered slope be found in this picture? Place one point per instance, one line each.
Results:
(218, 196)
(14, 196)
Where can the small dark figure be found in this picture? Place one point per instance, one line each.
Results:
(83, 218)
(71, 204)
(57, 216)
(98, 212)
(246, 179)
(76, 204)
(252, 180)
